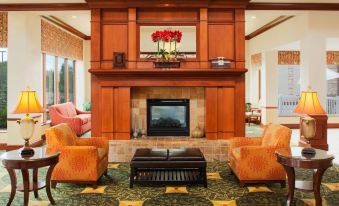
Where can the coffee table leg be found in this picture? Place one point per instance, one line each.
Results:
(25, 177)
(12, 176)
(48, 183)
(131, 179)
(35, 182)
(317, 176)
(204, 176)
(291, 183)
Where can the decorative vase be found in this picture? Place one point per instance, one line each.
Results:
(135, 133)
(197, 132)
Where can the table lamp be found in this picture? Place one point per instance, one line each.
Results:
(308, 105)
(27, 103)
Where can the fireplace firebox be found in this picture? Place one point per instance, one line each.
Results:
(168, 117)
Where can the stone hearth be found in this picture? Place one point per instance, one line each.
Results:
(123, 150)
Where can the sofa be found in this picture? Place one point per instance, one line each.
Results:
(78, 120)
(253, 160)
(82, 160)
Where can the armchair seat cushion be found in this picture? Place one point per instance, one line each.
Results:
(85, 118)
(102, 153)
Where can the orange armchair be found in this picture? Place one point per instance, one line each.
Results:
(82, 160)
(253, 160)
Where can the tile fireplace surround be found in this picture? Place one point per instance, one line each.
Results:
(196, 95)
(123, 150)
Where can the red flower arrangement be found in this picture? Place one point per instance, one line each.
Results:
(166, 36)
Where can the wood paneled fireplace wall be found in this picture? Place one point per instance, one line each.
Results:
(220, 32)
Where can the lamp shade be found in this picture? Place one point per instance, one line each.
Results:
(309, 104)
(27, 103)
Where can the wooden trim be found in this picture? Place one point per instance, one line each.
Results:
(56, 99)
(296, 126)
(44, 7)
(168, 4)
(44, 86)
(268, 26)
(294, 6)
(67, 80)
(66, 27)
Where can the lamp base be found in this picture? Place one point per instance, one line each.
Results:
(27, 152)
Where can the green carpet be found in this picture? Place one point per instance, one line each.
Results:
(117, 191)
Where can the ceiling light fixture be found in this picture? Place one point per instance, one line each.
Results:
(74, 17)
(253, 17)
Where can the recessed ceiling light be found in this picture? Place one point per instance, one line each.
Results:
(253, 17)
(74, 17)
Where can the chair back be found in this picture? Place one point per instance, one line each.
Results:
(277, 135)
(66, 109)
(59, 136)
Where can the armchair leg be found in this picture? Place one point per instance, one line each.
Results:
(95, 185)
(106, 172)
(283, 184)
(242, 183)
(53, 184)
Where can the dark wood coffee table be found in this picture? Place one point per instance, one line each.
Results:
(168, 166)
(12, 160)
(292, 158)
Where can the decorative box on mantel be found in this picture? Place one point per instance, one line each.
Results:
(168, 64)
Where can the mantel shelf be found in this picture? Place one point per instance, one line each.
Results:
(169, 72)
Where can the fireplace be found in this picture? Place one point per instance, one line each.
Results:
(168, 117)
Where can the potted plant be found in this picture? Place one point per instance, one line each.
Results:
(167, 53)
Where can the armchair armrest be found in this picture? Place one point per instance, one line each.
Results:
(101, 142)
(244, 141)
(81, 112)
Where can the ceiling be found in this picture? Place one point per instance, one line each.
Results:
(256, 19)
(81, 19)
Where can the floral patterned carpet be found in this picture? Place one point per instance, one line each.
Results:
(223, 190)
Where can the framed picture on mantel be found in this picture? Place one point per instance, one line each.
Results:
(119, 60)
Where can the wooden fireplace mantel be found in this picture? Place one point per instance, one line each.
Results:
(220, 30)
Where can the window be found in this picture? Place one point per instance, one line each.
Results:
(3, 88)
(71, 81)
(288, 88)
(332, 100)
(59, 81)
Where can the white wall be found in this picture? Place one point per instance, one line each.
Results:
(315, 24)
(24, 62)
(25, 66)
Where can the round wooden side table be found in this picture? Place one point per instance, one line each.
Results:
(42, 157)
(292, 158)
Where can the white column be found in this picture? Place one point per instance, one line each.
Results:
(313, 65)
(269, 87)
